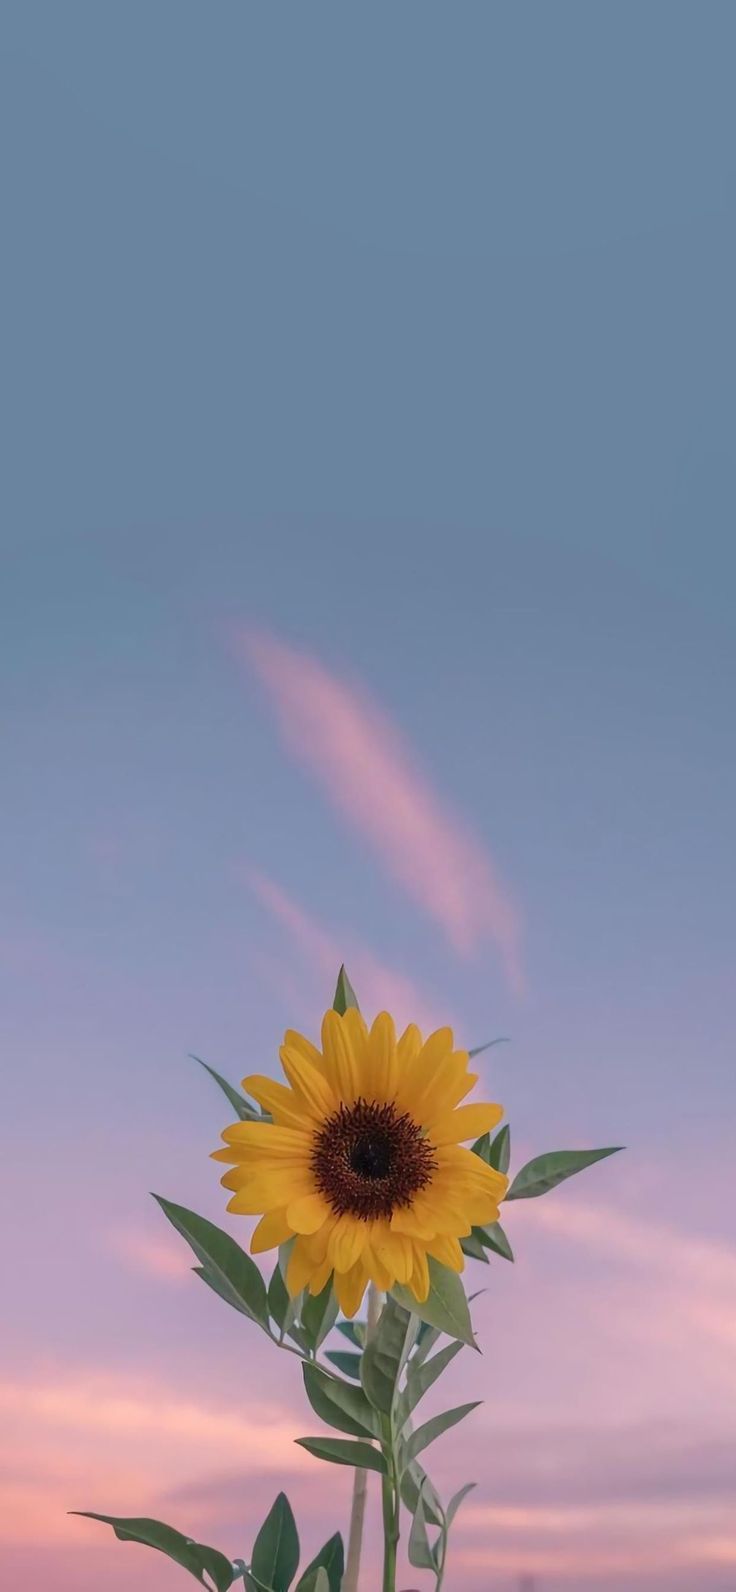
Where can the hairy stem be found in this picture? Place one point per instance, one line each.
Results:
(360, 1480)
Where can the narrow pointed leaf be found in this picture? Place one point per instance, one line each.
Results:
(221, 1289)
(354, 1331)
(546, 1171)
(348, 1364)
(446, 1306)
(282, 1307)
(456, 1500)
(420, 1551)
(473, 1248)
(494, 1237)
(432, 1429)
(385, 1355)
(316, 1581)
(275, 1556)
(192, 1556)
(319, 1314)
(495, 1152)
(330, 1559)
(345, 995)
(413, 1481)
(241, 1106)
(421, 1378)
(238, 1277)
(341, 1452)
(340, 1404)
(479, 1049)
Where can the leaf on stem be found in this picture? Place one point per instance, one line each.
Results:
(331, 1560)
(546, 1171)
(340, 1452)
(434, 1428)
(275, 1557)
(195, 1557)
(385, 1355)
(345, 995)
(340, 1404)
(226, 1266)
(446, 1306)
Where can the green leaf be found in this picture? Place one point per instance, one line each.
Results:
(456, 1500)
(317, 1581)
(546, 1171)
(339, 1403)
(419, 1379)
(237, 1276)
(330, 1559)
(192, 1556)
(473, 1247)
(223, 1292)
(446, 1306)
(349, 1364)
(282, 1307)
(494, 1237)
(414, 1481)
(319, 1314)
(241, 1106)
(432, 1429)
(420, 1551)
(385, 1355)
(496, 1152)
(478, 1051)
(275, 1557)
(340, 1452)
(345, 995)
(353, 1330)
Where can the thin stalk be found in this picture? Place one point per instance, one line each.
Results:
(390, 1530)
(360, 1480)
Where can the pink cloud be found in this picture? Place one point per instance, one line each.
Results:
(154, 1256)
(379, 987)
(369, 773)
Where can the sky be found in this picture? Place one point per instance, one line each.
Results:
(368, 561)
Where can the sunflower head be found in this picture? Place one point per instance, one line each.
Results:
(363, 1161)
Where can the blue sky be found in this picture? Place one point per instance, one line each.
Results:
(405, 338)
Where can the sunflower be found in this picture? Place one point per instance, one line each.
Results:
(363, 1163)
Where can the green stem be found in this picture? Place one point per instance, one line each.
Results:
(391, 1506)
(360, 1480)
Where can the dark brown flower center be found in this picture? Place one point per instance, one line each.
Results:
(368, 1161)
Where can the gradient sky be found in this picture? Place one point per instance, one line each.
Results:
(367, 588)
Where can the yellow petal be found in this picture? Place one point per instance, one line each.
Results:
(272, 1230)
(296, 1041)
(263, 1192)
(395, 1251)
(308, 1084)
(340, 1064)
(378, 1271)
(383, 1067)
(447, 1251)
(350, 1287)
(308, 1213)
(467, 1122)
(265, 1138)
(347, 1242)
(408, 1046)
(320, 1278)
(299, 1269)
(418, 1073)
(419, 1280)
(276, 1098)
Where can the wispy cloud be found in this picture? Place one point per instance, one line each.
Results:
(368, 771)
(379, 986)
